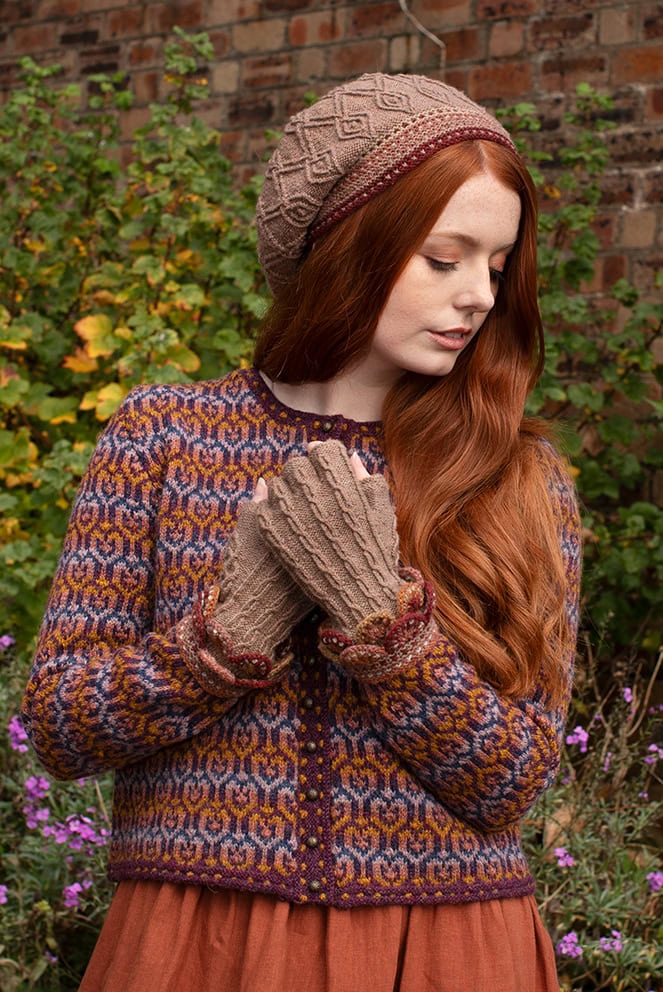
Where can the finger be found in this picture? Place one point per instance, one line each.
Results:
(260, 492)
(313, 444)
(358, 467)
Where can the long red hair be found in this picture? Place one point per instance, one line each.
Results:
(471, 487)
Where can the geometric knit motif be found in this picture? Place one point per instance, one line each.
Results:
(319, 789)
(349, 146)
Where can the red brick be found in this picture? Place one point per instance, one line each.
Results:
(360, 56)
(562, 32)
(58, 8)
(655, 102)
(309, 29)
(105, 58)
(641, 145)
(435, 14)
(508, 79)
(131, 120)
(506, 39)
(616, 26)
(311, 63)
(374, 19)
(638, 65)
(231, 11)
(128, 21)
(463, 44)
(652, 21)
(232, 145)
(259, 36)
(502, 9)
(220, 41)
(457, 78)
(246, 110)
(604, 229)
(147, 51)
(432, 56)
(652, 187)
(268, 70)
(146, 86)
(35, 38)
(180, 13)
(617, 188)
(564, 72)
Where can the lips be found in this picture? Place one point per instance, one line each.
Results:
(453, 339)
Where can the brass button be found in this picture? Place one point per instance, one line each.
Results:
(307, 703)
(327, 425)
(312, 794)
(311, 747)
(311, 841)
(314, 886)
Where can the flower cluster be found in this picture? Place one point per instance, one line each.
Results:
(655, 879)
(579, 737)
(17, 735)
(72, 893)
(564, 859)
(6, 641)
(612, 943)
(568, 946)
(654, 754)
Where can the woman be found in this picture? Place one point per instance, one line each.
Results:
(319, 615)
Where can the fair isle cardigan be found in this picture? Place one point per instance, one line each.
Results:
(320, 789)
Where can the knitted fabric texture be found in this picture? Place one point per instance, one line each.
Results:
(320, 789)
(348, 147)
(335, 535)
(232, 639)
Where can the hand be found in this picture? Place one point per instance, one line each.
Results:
(231, 640)
(333, 528)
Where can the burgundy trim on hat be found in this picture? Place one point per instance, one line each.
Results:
(393, 173)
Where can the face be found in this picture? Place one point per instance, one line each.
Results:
(449, 286)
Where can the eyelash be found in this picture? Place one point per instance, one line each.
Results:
(438, 266)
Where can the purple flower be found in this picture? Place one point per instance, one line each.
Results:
(53, 958)
(6, 641)
(3, 894)
(564, 859)
(654, 754)
(627, 694)
(607, 762)
(71, 894)
(36, 788)
(580, 737)
(613, 943)
(568, 946)
(655, 879)
(17, 735)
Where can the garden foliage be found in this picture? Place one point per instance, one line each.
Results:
(112, 275)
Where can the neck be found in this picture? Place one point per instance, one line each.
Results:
(351, 395)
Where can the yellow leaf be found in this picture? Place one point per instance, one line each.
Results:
(96, 330)
(80, 361)
(13, 345)
(89, 400)
(123, 332)
(551, 191)
(183, 358)
(108, 399)
(63, 418)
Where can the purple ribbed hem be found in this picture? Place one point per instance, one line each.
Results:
(346, 898)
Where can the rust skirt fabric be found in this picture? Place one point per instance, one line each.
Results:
(163, 937)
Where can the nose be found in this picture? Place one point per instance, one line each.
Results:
(477, 292)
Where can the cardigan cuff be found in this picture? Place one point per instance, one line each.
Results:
(208, 652)
(385, 644)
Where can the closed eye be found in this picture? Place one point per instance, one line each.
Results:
(439, 266)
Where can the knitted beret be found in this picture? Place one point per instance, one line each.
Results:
(346, 148)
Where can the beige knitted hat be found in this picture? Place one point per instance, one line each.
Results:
(349, 146)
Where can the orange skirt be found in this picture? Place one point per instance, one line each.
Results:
(179, 938)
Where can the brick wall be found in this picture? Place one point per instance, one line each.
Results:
(270, 53)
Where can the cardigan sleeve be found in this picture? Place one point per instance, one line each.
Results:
(106, 689)
(485, 757)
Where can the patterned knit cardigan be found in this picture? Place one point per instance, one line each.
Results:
(318, 790)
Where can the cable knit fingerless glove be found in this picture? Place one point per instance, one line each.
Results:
(335, 535)
(234, 638)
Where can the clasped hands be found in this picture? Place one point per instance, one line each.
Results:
(322, 533)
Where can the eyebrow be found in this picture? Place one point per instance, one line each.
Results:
(465, 239)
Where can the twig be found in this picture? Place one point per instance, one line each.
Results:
(419, 26)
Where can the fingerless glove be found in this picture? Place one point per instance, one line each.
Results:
(235, 637)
